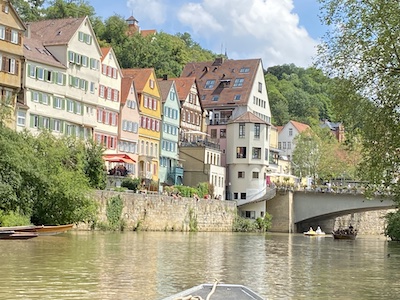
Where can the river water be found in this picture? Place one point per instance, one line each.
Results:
(154, 265)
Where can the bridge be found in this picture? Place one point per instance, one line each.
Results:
(306, 208)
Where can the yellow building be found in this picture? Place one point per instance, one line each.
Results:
(11, 52)
(149, 101)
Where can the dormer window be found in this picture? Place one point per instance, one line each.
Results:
(244, 70)
(238, 82)
(209, 84)
(5, 8)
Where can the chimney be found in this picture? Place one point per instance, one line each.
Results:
(28, 30)
(218, 61)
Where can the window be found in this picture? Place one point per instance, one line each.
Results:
(289, 145)
(279, 145)
(243, 196)
(256, 131)
(235, 195)
(255, 175)
(35, 96)
(240, 152)
(215, 98)
(151, 83)
(241, 174)
(21, 118)
(31, 71)
(238, 82)
(244, 70)
(250, 214)
(209, 84)
(2, 32)
(256, 153)
(70, 106)
(284, 145)
(242, 130)
(57, 103)
(237, 97)
(290, 131)
(14, 36)
(260, 87)
(46, 123)
(214, 133)
(222, 133)
(57, 126)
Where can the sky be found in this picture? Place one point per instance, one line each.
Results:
(277, 31)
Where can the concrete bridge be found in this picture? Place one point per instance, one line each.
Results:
(305, 209)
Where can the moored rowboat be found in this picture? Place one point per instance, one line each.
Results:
(39, 230)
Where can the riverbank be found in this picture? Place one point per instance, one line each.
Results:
(166, 213)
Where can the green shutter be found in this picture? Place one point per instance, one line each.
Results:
(61, 126)
(40, 97)
(82, 107)
(64, 80)
(63, 104)
(52, 124)
(29, 69)
(31, 118)
(71, 79)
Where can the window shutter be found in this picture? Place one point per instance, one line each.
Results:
(104, 116)
(63, 104)
(31, 119)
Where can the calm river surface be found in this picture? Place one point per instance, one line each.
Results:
(154, 265)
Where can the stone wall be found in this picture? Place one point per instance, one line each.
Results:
(166, 213)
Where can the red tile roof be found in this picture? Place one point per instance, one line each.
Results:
(224, 73)
(299, 126)
(140, 77)
(126, 83)
(104, 52)
(183, 86)
(165, 87)
(35, 51)
(55, 32)
(247, 117)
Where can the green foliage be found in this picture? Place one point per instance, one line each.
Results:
(363, 58)
(12, 218)
(29, 10)
(43, 177)
(114, 212)
(241, 224)
(263, 224)
(392, 229)
(299, 94)
(131, 183)
(192, 221)
(94, 165)
(59, 9)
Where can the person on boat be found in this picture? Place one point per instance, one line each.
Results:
(311, 230)
(319, 231)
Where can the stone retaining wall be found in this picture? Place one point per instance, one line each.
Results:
(166, 213)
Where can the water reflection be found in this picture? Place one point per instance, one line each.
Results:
(153, 265)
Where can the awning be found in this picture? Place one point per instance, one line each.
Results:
(281, 175)
(196, 132)
(120, 157)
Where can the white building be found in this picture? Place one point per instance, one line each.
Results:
(287, 134)
(61, 78)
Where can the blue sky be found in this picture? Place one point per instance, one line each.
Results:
(278, 31)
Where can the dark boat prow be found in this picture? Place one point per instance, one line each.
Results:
(345, 234)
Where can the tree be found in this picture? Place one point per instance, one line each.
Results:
(59, 9)
(362, 51)
(29, 10)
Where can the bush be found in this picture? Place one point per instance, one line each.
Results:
(241, 224)
(131, 183)
(113, 212)
(13, 219)
(392, 229)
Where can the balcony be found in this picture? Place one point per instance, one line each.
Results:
(207, 142)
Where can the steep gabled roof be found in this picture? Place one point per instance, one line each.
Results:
(140, 77)
(165, 87)
(57, 31)
(224, 73)
(183, 86)
(35, 51)
(300, 127)
(247, 117)
(104, 52)
(126, 83)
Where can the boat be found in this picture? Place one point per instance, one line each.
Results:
(12, 235)
(312, 232)
(345, 234)
(39, 229)
(217, 292)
